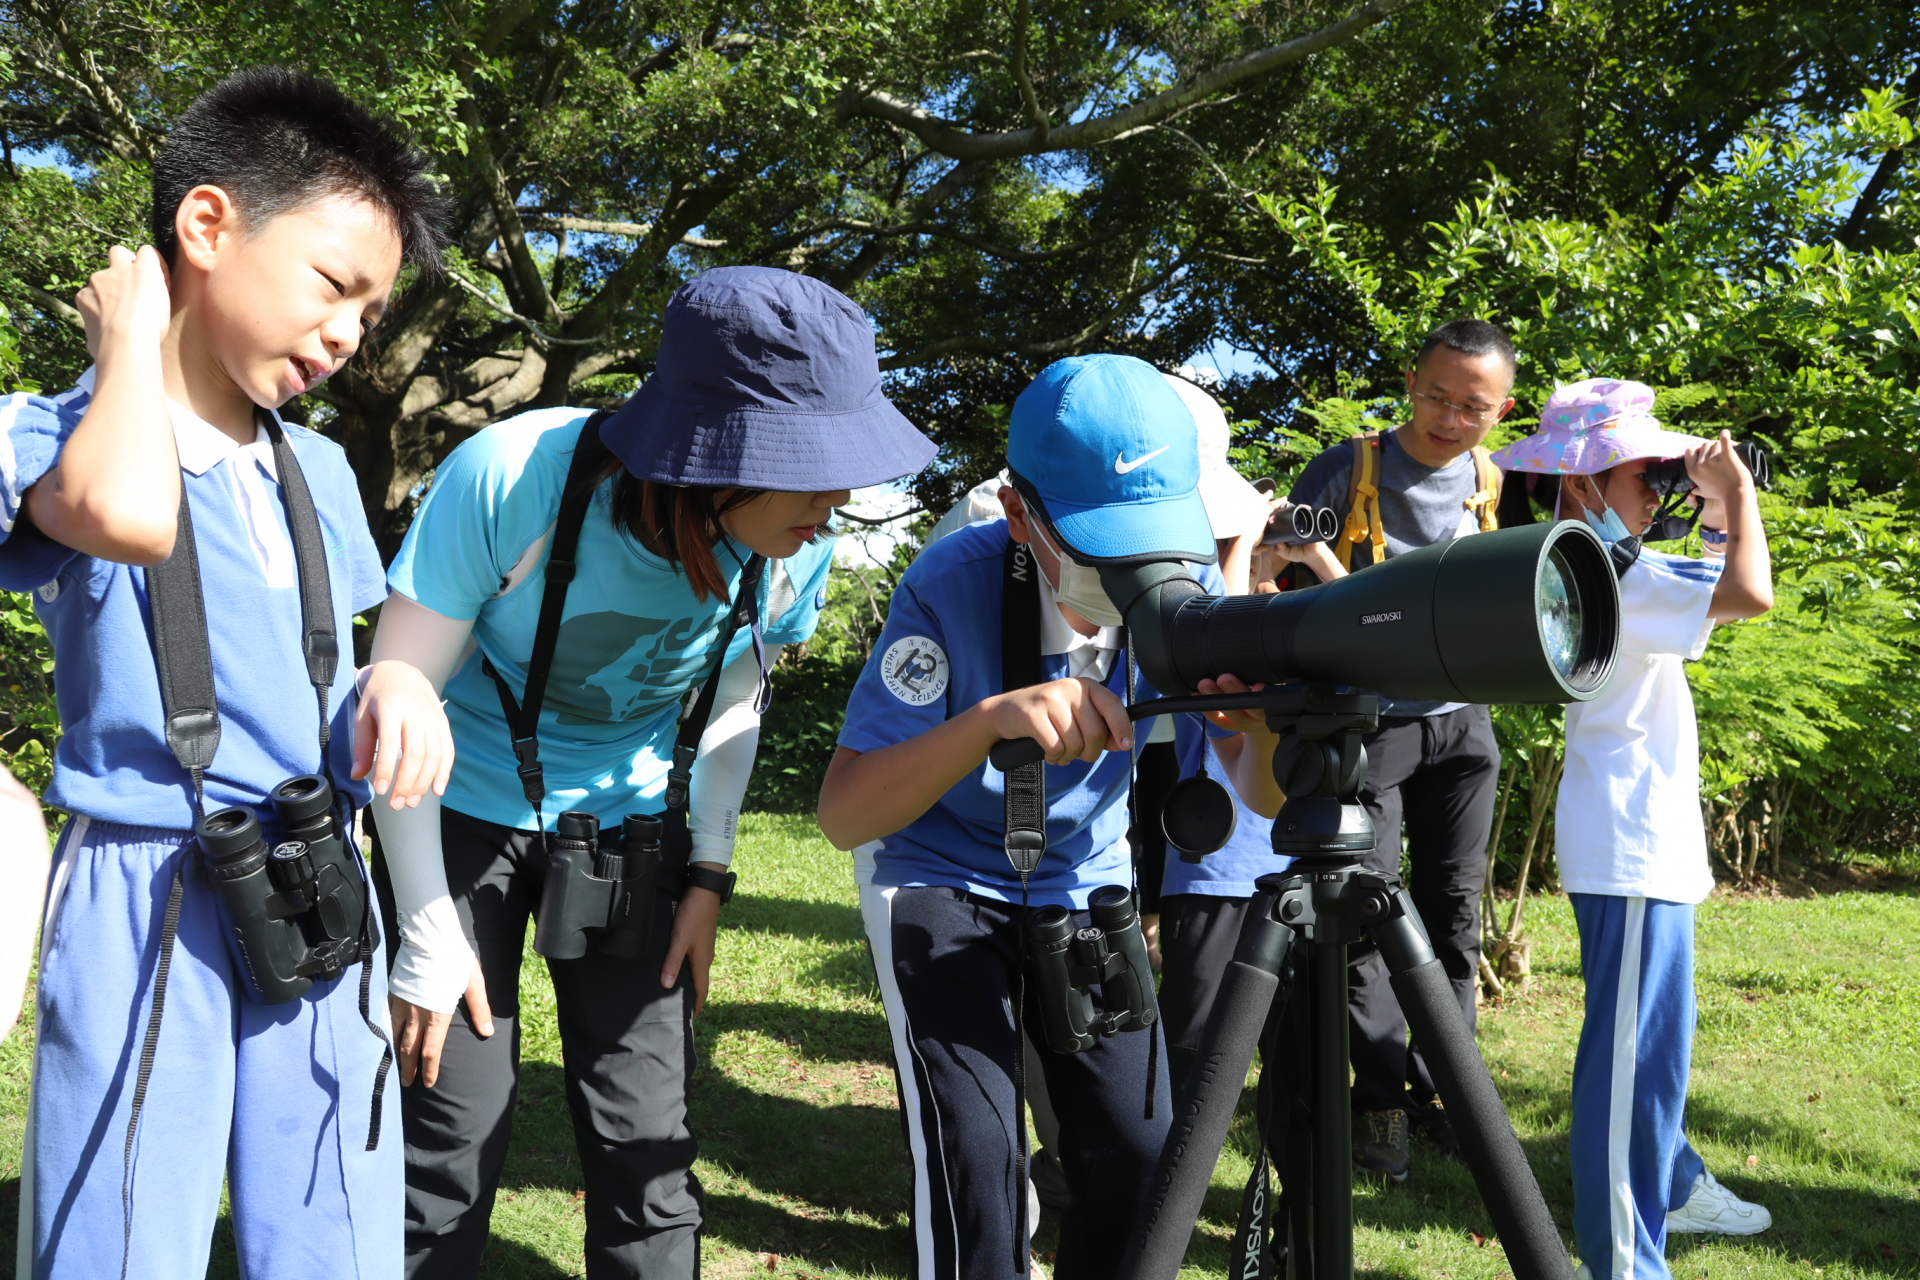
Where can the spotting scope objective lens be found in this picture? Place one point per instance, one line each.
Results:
(1559, 610)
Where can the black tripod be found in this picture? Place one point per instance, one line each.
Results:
(1328, 899)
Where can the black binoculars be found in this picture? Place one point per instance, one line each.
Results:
(598, 898)
(1296, 524)
(296, 912)
(1068, 962)
(1668, 476)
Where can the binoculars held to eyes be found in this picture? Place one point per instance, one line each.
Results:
(1068, 963)
(1294, 524)
(296, 912)
(1668, 476)
(595, 897)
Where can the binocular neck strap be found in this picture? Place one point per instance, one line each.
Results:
(182, 650)
(590, 457)
(183, 653)
(590, 460)
(693, 726)
(1025, 790)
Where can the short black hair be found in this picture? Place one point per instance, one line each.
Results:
(1470, 338)
(278, 140)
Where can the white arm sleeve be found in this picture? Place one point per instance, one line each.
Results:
(432, 960)
(725, 761)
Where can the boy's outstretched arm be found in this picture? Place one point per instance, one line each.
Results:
(115, 492)
(1745, 589)
(871, 794)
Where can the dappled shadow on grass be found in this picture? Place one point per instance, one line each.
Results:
(842, 1158)
(1746, 1128)
(842, 1035)
(795, 918)
(511, 1260)
(756, 1226)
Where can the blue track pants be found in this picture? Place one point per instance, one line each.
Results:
(1631, 1159)
(274, 1099)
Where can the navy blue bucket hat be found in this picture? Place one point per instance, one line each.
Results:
(766, 379)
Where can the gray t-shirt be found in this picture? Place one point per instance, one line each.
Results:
(1419, 506)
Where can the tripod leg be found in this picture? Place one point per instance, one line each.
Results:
(1204, 1110)
(1480, 1123)
(1332, 1118)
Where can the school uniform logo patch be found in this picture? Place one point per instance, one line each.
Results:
(915, 670)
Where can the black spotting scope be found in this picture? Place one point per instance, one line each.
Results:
(1517, 615)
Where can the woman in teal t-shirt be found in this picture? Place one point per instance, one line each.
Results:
(711, 488)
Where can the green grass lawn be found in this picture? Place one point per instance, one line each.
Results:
(1806, 1097)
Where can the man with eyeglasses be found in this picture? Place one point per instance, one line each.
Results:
(1434, 764)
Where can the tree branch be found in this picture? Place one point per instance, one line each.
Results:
(1870, 195)
(594, 226)
(1042, 124)
(539, 336)
(526, 277)
(55, 307)
(960, 144)
(978, 344)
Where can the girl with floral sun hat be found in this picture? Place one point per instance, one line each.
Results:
(1628, 835)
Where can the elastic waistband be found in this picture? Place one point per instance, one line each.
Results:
(104, 832)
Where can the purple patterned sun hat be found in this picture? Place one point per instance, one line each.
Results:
(1591, 426)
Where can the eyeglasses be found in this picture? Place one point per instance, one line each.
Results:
(1471, 416)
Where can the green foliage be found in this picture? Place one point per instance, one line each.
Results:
(813, 682)
(1749, 312)
(29, 722)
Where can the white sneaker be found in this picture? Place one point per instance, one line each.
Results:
(1583, 1272)
(1711, 1209)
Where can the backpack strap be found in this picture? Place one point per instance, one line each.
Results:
(1485, 502)
(1363, 502)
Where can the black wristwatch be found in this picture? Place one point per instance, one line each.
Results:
(720, 882)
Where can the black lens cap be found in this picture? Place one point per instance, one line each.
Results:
(1199, 817)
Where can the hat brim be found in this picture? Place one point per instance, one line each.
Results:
(760, 449)
(1134, 532)
(1594, 452)
(1234, 506)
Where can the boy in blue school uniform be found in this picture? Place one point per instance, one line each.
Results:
(282, 215)
(1630, 844)
(1103, 468)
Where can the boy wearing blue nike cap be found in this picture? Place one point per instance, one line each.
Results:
(1103, 470)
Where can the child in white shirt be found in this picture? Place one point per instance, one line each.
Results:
(1630, 841)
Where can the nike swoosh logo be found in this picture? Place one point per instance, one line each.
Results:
(1121, 466)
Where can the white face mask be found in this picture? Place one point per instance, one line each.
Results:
(1611, 527)
(1080, 588)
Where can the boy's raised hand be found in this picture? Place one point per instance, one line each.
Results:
(126, 307)
(401, 733)
(1071, 719)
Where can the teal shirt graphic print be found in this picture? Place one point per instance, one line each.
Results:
(633, 638)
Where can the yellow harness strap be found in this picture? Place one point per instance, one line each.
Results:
(1363, 501)
(1486, 502)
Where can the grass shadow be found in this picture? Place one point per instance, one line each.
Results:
(796, 918)
(840, 1035)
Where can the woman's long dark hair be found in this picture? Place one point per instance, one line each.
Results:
(678, 523)
(1516, 488)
